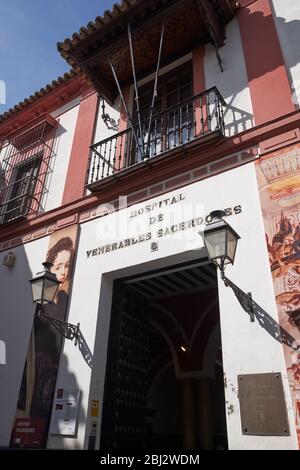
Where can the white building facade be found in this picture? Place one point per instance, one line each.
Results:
(119, 207)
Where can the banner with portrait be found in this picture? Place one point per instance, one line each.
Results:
(40, 372)
(278, 177)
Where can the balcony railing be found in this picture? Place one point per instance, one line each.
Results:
(194, 118)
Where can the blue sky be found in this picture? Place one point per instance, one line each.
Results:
(29, 31)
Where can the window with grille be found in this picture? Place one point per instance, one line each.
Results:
(24, 180)
(26, 167)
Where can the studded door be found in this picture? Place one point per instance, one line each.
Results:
(124, 408)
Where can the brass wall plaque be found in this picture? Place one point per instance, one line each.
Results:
(262, 403)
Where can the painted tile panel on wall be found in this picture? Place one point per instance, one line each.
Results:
(279, 186)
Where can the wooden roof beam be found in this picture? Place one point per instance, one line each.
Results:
(108, 91)
(212, 22)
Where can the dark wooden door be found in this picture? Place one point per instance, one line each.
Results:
(126, 386)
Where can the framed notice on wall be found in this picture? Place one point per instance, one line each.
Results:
(65, 412)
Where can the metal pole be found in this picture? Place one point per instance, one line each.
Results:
(124, 104)
(137, 99)
(155, 87)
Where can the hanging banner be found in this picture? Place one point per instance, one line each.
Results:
(40, 372)
(278, 177)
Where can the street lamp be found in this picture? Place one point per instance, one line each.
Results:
(220, 241)
(44, 288)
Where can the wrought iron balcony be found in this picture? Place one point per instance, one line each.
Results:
(199, 117)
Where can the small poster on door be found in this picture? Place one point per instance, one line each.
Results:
(65, 412)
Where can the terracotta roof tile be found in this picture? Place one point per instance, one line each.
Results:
(108, 16)
(38, 94)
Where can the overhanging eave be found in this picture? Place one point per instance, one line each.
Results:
(188, 23)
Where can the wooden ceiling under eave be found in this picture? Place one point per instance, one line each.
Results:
(188, 23)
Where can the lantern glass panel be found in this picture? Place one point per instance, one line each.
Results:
(231, 244)
(50, 287)
(215, 242)
(37, 289)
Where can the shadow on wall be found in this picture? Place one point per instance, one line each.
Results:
(232, 82)
(16, 320)
(289, 32)
(67, 382)
(20, 385)
(85, 350)
(236, 120)
(268, 323)
(289, 36)
(266, 62)
(59, 132)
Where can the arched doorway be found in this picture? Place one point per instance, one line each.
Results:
(164, 379)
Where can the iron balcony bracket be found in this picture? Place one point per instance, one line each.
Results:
(67, 330)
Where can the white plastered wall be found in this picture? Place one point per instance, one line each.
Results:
(16, 320)
(64, 135)
(287, 22)
(232, 82)
(247, 348)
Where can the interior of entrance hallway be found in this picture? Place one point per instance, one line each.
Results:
(184, 396)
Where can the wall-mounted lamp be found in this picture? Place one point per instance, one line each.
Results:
(9, 259)
(110, 123)
(220, 241)
(44, 288)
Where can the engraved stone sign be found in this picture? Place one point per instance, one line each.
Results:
(262, 403)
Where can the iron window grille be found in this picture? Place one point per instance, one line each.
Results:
(25, 171)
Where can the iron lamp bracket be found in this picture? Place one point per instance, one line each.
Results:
(67, 330)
